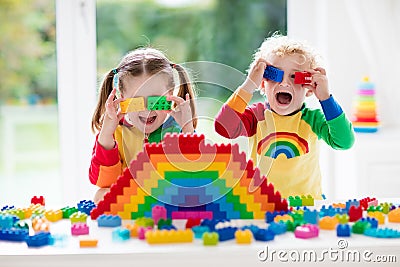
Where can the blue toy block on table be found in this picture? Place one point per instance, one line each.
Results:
(86, 206)
(372, 221)
(253, 228)
(39, 240)
(343, 230)
(121, 234)
(277, 228)
(274, 74)
(13, 234)
(270, 216)
(6, 221)
(109, 221)
(311, 216)
(382, 233)
(226, 233)
(264, 235)
(199, 231)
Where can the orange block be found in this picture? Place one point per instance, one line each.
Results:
(328, 223)
(87, 242)
(394, 215)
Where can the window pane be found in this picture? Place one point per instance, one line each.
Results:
(28, 103)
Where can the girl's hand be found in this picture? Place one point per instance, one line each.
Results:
(256, 75)
(319, 84)
(182, 112)
(111, 119)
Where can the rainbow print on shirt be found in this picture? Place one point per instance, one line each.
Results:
(289, 144)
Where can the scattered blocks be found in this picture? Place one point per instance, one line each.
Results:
(78, 217)
(283, 218)
(394, 216)
(79, 229)
(121, 234)
(37, 200)
(264, 235)
(243, 236)
(343, 230)
(210, 239)
(158, 212)
(38, 240)
(382, 233)
(306, 231)
(86, 242)
(328, 223)
(109, 221)
(165, 236)
(372, 221)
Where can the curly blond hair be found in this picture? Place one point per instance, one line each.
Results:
(281, 45)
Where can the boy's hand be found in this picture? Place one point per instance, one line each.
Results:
(182, 112)
(319, 84)
(255, 77)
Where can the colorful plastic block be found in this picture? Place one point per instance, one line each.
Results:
(378, 215)
(134, 104)
(386, 207)
(158, 103)
(295, 201)
(353, 202)
(121, 234)
(394, 216)
(374, 208)
(359, 227)
(79, 229)
(6, 221)
(145, 222)
(210, 239)
(343, 230)
(13, 234)
(161, 223)
(307, 200)
(252, 228)
(382, 233)
(199, 231)
(68, 211)
(283, 218)
(277, 228)
(38, 200)
(58, 240)
(372, 221)
(38, 240)
(109, 221)
(366, 202)
(87, 242)
(78, 217)
(133, 228)
(142, 232)
(173, 236)
(311, 216)
(264, 235)
(86, 206)
(306, 231)
(192, 222)
(158, 212)
(269, 216)
(342, 218)
(243, 236)
(53, 215)
(302, 77)
(274, 74)
(355, 213)
(40, 224)
(328, 223)
(227, 233)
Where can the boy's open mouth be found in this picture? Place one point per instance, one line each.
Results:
(147, 119)
(283, 98)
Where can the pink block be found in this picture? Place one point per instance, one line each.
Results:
(79, 229)
(206, 215)
(158, 212)
(306, 231)
(178, 215)
(142, 232)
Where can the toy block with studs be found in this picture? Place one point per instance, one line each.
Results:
(121, 234)
(243, 236)
(79, 229)
(38, 200)
(328, 223)
(13, 234)
(343, 230)
(273, 73)
(210, 239)
(172, 236)
(382, 233)
(87, 242)
(134, 104)
(158, 103)
(394, 216)
(109, 221)
(38, 240)
(78, 217)
(306, 231)
(264, 235)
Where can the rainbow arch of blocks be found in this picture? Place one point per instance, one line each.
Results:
(191, 179)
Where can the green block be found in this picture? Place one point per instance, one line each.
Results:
(343, 218)
(295, 201)
(158, 103)
(360, 227)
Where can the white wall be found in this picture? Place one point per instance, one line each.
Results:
(356, 38)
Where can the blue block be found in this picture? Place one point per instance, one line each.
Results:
(264, 235)
(274, 74)
(372, 221)
(6, 221)
(199, 230)
(227, 233)
(311, 216)
(277, 228)
(14, 234)
(121, 234)
(382, 233)
(270, 216)
(167, 227)
(109, 221)
(5, 208)
(38, 240)
(86, 206)
(253, 228)
(353, 202)
(343, 230)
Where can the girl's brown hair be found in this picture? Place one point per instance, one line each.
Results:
(148, 61)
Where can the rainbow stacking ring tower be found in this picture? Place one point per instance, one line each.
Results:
(365, 115)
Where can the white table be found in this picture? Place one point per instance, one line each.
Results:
(136, 252)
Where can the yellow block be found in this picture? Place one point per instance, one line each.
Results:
(132, 105)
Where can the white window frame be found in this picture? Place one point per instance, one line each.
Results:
(76, 85)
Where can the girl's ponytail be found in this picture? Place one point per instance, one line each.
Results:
(105, 91)
(185, 87)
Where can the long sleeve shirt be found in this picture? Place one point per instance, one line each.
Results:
(286, 148)
(107, 165)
